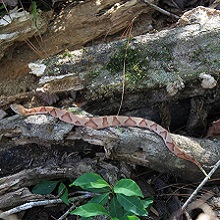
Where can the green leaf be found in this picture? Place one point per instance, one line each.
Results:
(115, 209)
(89, 210)
(128, 187)
(100, 199)
(45, 187)
(99, 184)
(1, 7)
(147, 202)
(130, 217)
(90, 180)
(64, 197)
(102, 190)
(132, 204)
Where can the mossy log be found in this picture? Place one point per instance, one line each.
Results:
(76, 25)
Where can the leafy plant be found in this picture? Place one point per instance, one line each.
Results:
(48, 186)
(123, 201)
(119, 202)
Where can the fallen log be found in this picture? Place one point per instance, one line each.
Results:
(133, 145)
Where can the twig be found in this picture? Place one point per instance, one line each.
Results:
(126, 32)
(161, 10)
(201, 185)
(123, 85)
(30, 205)
(86, 195)
(67, 212)
(7, 10)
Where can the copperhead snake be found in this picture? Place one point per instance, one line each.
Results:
(109, 121)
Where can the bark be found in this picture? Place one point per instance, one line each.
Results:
(159, 67)
(72, 28)
(22, 195)
(132, 145)
(165, 67)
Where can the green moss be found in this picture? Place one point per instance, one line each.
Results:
(53, 67)
(67, 53)
(92, 75)
(135, 63)
(206, 55)
(160, 53)
(147, 65)
(217, 63)
(56, 64)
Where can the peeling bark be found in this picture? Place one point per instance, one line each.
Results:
(73, 28)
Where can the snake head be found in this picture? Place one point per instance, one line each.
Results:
(19, 109)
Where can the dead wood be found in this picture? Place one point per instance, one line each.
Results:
(160, 68)
(102, 78)
(17, 197)
(40, 147)
(40, 157)
(72, 28)
(174, 72)
(30, 177)
(135, 146)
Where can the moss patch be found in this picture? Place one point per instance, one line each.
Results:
(135, 62)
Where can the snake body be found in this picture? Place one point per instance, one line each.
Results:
(108, 121)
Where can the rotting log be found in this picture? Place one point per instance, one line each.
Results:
(75, 26)
(135, 146)
(159, 68)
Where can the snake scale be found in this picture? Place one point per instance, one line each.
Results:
(108, 121)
